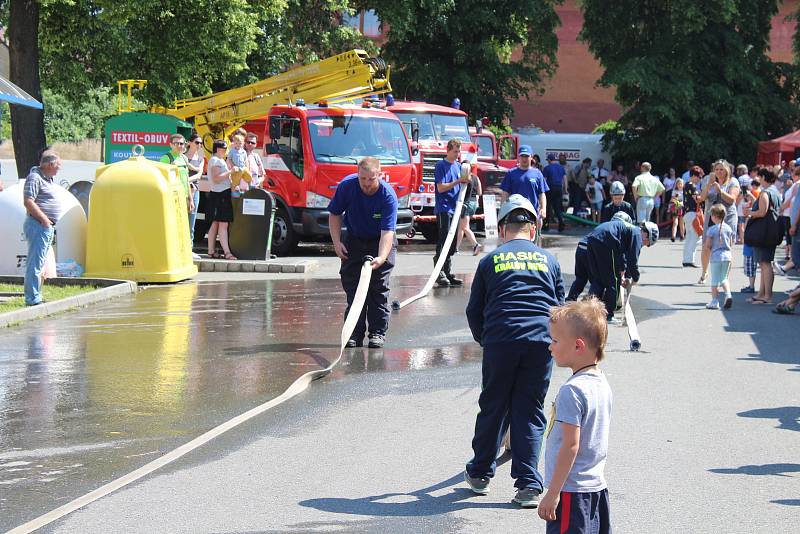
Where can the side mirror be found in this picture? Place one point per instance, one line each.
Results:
(414, 132)
(414, 148)
(274, 128)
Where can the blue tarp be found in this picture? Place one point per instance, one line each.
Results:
(12, 94)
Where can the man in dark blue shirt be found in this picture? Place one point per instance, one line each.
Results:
(526, 180)
(508, 313)
(617, 204)
(612, 252)
(555, 176)
(448, 182)
(369, 205)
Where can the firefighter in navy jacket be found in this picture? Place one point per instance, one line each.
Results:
(508, 313)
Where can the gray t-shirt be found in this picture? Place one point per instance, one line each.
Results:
(731, 217)
(721, 237)
(221, 166)
(584, 401)
(42, 190)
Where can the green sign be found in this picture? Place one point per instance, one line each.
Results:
(151, 130)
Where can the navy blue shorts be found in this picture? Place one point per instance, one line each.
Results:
(582, 513)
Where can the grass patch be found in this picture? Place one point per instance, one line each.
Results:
(51, 293)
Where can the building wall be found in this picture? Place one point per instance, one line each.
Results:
(573, 103)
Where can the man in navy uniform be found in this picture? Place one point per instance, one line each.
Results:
(448, 182)
(617, 204)
(508, 313)
(610, 252)
(369, 205)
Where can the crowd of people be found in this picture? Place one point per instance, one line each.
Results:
(684, 204)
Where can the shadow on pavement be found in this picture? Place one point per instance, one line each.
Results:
(780, 470)
(787, 502)
(788, 416)
(418, 503)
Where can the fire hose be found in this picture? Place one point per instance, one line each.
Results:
(299, 385)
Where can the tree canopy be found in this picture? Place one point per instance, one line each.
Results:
(693, 78)
(485, 52)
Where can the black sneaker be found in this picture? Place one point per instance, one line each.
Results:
(442, 281)
(527, 498)
(748, 289)
(376, 341)
(728, 303)
(353, 342)
(454, 281)
(690, 265)
(478, 485)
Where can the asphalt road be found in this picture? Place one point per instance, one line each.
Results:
(704, 435)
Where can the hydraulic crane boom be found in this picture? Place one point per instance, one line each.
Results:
(345, 76)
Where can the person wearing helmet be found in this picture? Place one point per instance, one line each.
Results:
(611, 255)
(617, 204)
(508, 314)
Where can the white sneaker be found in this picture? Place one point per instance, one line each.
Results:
(778, 268)
(713, 305)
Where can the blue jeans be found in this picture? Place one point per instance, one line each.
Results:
(193, 214)
(515, 381)
(39, 240)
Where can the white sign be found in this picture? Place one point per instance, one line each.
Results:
(253, 206)
(572, 154)
(490, 222)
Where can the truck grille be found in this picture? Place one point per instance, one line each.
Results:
(429, 162)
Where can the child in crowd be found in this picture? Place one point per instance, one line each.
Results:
(237, 157)
(718, 241)
(676, 210)
(596, 196)
(750, 268)
(577, 436)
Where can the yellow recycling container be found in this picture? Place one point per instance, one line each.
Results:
(138, 224)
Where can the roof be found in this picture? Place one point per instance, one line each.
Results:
(784, 143)
(408, 105)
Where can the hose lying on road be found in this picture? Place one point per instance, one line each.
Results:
(451, 234)
(297, 386)
(630, 320)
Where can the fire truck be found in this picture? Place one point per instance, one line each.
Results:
(435, 126)
(494, 157)
(307, 149)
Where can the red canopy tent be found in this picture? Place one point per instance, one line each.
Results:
(777, 150)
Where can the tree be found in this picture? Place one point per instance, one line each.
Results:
(23, 50)
(485, 52)
(693, 78)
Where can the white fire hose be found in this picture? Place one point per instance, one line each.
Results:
(297, 386)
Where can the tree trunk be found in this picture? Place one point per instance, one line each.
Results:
(27, 124)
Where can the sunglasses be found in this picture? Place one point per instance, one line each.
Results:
(198, 142)
(179, 143)
(251, 142)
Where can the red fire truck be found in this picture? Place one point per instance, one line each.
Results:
(436, 125)
(494, 158)
(308, 150)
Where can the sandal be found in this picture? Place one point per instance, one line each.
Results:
(230, 257)
(783, 309)
(213, 255)
(759, 301)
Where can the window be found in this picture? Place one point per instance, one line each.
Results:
(348, 139)
(435, 127)
(287, 141)
(485, 146)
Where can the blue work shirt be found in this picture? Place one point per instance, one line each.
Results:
(444, 173)
(512, 293)
(528, 183)
(554, 174)
(625, 241)
(365, 216)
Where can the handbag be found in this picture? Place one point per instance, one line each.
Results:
(764, 231)
(699, 221)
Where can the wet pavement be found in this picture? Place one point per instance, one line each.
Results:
(92, 395)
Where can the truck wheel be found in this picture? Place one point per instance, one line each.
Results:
(430, 232)
(284, 238)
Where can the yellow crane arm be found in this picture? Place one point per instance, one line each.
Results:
(345, 76)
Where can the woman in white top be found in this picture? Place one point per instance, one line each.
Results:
(196, 164)
(219, 208)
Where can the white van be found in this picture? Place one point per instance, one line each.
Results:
(574, 146)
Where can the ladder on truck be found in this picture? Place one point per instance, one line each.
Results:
(343, 77)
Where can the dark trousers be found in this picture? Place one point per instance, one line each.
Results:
(555, 206)
(515, 381)
(581, 272)
(443, 225)
(578, 513)
(576, 196)
(376, 308)
(603, 274)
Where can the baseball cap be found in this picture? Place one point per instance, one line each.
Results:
(551, 157)
(525, 150)
(617, 188)
(516, 202)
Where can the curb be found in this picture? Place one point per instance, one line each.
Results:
(112, 289)
(255, 266)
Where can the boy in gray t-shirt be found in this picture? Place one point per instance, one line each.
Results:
(577, 435)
